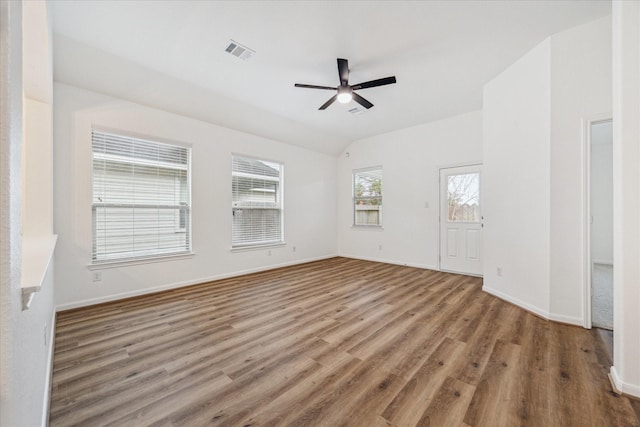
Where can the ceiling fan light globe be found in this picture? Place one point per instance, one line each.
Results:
(344, 97)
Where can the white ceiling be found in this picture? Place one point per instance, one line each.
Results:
(170, 55)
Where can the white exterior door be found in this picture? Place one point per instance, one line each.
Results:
(461, 220)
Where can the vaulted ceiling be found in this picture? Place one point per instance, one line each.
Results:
(171, 55)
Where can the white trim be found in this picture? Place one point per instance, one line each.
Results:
(49, 371)
(630, 389)
(587, 262)
(615, 378)
(459, 165)
(394, 262)
(367, 227)
(367, 169)
(570, 320)
(561, 318)
(508, 298)
(586, 191)
(139, 292)
(463, 274)
(125, 262)
(37, 254)
(248, 248)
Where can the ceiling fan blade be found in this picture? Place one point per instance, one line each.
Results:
(314, 86)
(343, 71)
(374, 83)
(360, 100)
(329, 102)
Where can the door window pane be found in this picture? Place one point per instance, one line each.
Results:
(463, 195)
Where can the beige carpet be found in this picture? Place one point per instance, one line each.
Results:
(602, 296)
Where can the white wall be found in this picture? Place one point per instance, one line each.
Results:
(37, 168)
(534, 157)
(602, 192)
(580, 90)
(410, 159)
(309, 199)
(516, 154)
(626, 196)
(25, 336)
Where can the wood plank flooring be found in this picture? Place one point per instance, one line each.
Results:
(338, 342)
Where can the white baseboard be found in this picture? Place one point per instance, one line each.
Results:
(123, 295)
(626, 388)
(49, 372)
(532, 308)
(570, 320)
(389, 261)
(561, 318)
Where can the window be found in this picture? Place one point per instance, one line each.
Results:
(463, 191)
(141, 198)
(367, 197)
(256, 202)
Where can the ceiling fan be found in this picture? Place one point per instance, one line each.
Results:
(345, 92)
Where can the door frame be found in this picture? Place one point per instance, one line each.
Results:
(587, 122)
(439, 172)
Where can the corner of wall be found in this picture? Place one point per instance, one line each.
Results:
(626, 195)
(25, 345)
(516, 155)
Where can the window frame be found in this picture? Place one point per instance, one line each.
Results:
(355, 199)
(257, 244)
(182, 206)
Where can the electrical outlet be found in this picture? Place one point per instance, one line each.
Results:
(379, 247)
(426, 205)
(499, 271)
(293, 248)
(97, 276)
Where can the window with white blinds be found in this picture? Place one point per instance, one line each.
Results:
(256, 202)
(141, 198)
(367, 197)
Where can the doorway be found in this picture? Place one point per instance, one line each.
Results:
(600, 233)
(461, 220)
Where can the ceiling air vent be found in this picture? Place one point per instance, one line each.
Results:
(356, 110)
(238, 50)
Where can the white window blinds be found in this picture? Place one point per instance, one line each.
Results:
(141, 198)
(256, 202)
(367, 196)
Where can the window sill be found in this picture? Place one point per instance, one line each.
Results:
(367, 227)
(37, 253)
(257, 247)
(138, 261)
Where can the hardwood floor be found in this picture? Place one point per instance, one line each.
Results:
(338, 342)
